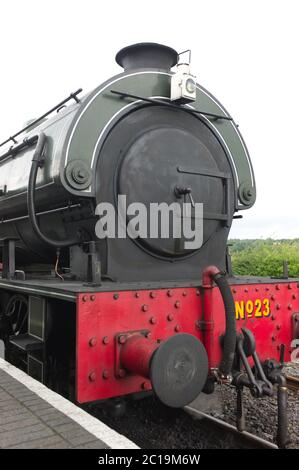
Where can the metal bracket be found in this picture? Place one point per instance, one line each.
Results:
(8, 258)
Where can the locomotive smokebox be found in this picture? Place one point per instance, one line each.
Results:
(177, 367)
(147, 55)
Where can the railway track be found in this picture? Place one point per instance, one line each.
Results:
(246, 439)
(152, 426)
(293, 382)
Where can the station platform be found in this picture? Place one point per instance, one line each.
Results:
(34, 417)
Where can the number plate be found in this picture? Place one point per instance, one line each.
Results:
(257, 308)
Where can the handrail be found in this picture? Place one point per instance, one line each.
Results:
(36, 121)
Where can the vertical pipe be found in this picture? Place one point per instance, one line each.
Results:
(240, 410)
(282, 424)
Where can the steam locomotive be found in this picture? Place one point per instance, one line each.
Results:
(103, 318)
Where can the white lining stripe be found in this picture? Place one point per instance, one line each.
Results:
(102, 432)
(168, 74)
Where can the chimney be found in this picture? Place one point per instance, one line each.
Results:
(147, 55)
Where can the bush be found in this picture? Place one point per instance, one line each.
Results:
(264, 257)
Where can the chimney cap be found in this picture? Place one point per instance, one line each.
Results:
(147, 55)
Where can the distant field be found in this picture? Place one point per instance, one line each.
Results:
(264, 257)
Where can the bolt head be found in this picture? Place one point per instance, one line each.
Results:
(277, 287)
(105, 374)
(177, 304)
(184, 293)
(122, 339)
(177, 328)
(92, 341)
(84, 298)
(92, 298)
(115, 296)
(144, 308)
(169, 293)
(105, 340)
(170, 317)
(137, 295)
(145, 386)
(92, 376)
(153, 295)
(121, 373)
(153, 320)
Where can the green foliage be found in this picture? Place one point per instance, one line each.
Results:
(264, 257)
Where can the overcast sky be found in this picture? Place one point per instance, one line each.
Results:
(244, 52)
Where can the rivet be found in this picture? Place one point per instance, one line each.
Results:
(145, 386)
(121, 373)
(272, 297)
(278, 327)
(122, 339)
(273, 338)
(273, 317)
(197, 292)
(105, 340)
(92, 298)
(234, 291)
(105, 374)
(184, 293)
(92, 376)
(277, 306)
(290, 306)
(246, 290)
(92, 341)
(169, 293)
(153, 295)
(170, 317)
(153, 320)
(294, 296)
(144, 308)
(290, 286)
(267, 288)
(84, 298)
(177, 328)
(277, 287)
(148, 334)
(137, 295)
(177, 304)
(256, 289)
(115, 296)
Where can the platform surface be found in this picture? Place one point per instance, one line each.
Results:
(32, 416)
